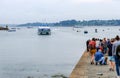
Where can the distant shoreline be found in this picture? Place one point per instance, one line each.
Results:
(73, 23)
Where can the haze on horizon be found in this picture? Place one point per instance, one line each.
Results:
(24, 11)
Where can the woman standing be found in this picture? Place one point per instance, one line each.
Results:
(92, 47)
(110, 57)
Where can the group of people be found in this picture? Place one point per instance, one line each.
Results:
(105, 51)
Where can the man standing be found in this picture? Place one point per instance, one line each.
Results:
(117, 60)
(87, 45)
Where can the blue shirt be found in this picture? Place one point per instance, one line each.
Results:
(98, 55)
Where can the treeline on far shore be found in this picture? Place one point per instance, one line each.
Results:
(77, 23)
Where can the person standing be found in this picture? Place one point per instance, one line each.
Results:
(110, 57)
(115, 50)
(92, 49)
(87, 45)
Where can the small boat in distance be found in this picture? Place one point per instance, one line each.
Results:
(44, 31)
(12, 30)
(85, 32)
(29, 27)
(95, 30)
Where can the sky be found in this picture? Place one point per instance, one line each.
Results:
(24, 11)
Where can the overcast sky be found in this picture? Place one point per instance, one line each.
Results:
(24, 11)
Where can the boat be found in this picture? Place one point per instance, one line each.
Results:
(44, 31)
(85, 32)
(95, 30)
(12, 30)
(29, 27)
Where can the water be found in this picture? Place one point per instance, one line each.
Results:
(25, 54)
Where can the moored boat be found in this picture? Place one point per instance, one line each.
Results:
(44, 31)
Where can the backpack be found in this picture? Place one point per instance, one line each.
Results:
(118, 51)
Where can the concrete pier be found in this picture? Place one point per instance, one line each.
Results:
(84, 69)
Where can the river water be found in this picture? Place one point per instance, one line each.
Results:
(25, 54)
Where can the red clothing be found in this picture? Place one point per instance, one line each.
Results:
(92, 44)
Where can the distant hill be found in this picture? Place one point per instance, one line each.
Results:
(37, 24)
(8, 25)
(77, 23)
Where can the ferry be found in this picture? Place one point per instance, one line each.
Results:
(44, 31)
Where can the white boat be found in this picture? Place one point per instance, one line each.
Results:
(12, 30)
(44, 31)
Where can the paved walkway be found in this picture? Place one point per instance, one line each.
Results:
(84, 69)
